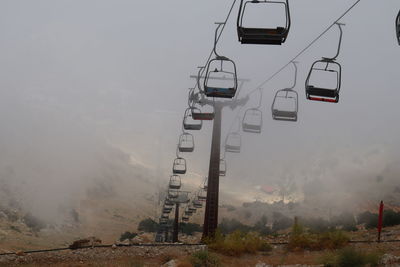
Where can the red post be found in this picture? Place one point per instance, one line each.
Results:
(380, 221)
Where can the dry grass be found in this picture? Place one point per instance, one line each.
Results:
(238, 243)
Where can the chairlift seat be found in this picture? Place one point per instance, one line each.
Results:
(220, 92)
(268, 36)
(173, 193)
(187, 212)
(197, 204)
(192, 209)
(250, 126)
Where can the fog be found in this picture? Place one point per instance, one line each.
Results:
(94, 92)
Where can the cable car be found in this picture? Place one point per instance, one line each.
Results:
(264, 35)
(197, 204)
(186, 142)
(179, 166)
(173, 193)
(175, 182)
(398, 27)
(189, 123)
(222, 167)
(324, 79)
(252, 121)
(233, 142)
(220, 75)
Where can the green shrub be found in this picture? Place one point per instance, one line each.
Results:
(204, 259)
(127, 235)
(351, 257)
(391, 218)
(238, 243)
(148, 225)
(229, 226)
(190, 228)
(300, 239)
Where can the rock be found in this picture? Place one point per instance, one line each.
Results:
(20, 253)
(114, 246)
(171, 263)
(389, 259)
(261, 264)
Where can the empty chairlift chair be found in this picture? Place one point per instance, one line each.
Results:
(262, 35)
(202, 115)
(197, 204)
(324, 79)
(398, 27)
(185, 218)
(165, 216)
(252, 119)
(285, 104)
(220, 75)
(179, 166)
(202, 195)
(168, 203)
(222, 167)
(175, 182)
(189, 123)
(186, 142)
(233, 142)
(173, 193)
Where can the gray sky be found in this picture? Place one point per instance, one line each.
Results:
(121, 69)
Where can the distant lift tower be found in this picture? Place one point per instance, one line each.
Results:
(211, 213)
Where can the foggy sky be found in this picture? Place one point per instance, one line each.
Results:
(121, 70)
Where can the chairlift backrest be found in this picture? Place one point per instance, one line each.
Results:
(262, 35)
(198, 114)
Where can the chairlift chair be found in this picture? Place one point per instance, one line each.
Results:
(163, 221)
(189, 123)
(166, 210)
(185, 218)
(186, 142)
(192, 209)
(165, 216)
(173, 193)
(168, 203)
(233, 142)
(324, 68)
(179, 166)
(188, 213)
(198, 114)
(222, 167)
(252, 121)
(285, 105)
(174, 183)
(398, 27)
(216, 72)
(197, 204)
(269, 36)
(202, 195)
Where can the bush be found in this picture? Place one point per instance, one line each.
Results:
(300, 239)
(204, 259)
(369, 219)
(281, 222)
(345, 221)
(229, 226)
(391, 218)
(33, 222)
(260, 226)
(127, 235)
(238, 243)
(190, 228)
(351, 257)
(148, 225)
